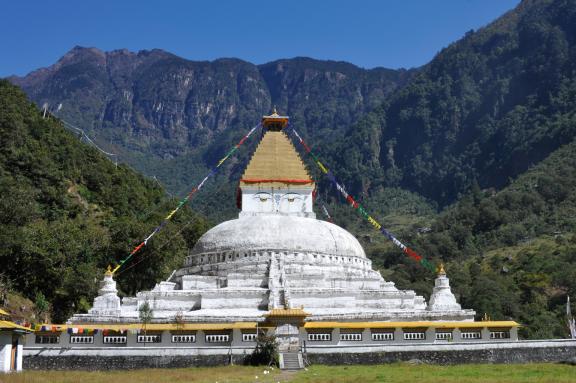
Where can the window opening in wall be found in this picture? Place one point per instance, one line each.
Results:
(499, 334)
(149, 338)
(185, 338)
(351, 337)
(320, 337)
(471, 335)
(383, 336)
(114, 339)
(443, 336)
(81, 339)
(218, 338)
(47, 339)
(249, 337)
(414, 335)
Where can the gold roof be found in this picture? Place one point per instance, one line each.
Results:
(2, 312)
(279, 122)
(7, 325)
(501, 324)
(276, 163)
(286, 313)
(152, 326)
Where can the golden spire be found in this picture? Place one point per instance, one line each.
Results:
(440, 270)
(274, 112)
(108, 272)
(276, 163)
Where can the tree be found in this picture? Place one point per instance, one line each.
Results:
(266, 351)
(179, 320)
(42, 306)
(145, 313)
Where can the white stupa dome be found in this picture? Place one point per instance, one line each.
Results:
(279, 233)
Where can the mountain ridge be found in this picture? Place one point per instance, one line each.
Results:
(172, 118)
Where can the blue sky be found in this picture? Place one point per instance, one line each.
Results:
(368, 33)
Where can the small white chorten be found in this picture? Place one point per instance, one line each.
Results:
(107, 302)
(442, 298)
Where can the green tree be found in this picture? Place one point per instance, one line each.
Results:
(265, 352)
(146, 314)
(41, 307)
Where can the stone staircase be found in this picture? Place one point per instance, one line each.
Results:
(291, 361)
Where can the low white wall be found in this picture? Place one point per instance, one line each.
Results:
(469, 346)
(5, 350)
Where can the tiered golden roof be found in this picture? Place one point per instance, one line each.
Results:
(276, 163)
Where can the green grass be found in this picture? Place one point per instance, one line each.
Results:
(389, 373)
(472, 373)
(229, 374)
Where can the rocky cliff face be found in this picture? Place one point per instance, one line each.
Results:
(155, 104)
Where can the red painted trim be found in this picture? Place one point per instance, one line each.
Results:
(284, 180)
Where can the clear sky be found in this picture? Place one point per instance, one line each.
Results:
(368, 33)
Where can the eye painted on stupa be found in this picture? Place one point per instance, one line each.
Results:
(291, 197)
(263, 197)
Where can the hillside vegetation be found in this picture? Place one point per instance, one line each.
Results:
(470, 160)
(174, 118)
(67, 212)
(510, 254)
(483, 111)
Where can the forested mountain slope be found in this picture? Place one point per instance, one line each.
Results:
(484, 132)
(173, 118)
(511, 253)
(67, 212)
(483, 111)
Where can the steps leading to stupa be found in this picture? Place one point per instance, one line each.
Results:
(291, 361)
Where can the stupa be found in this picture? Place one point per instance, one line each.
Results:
(276, 256)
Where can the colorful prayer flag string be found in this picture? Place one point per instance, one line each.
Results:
(185, 200)
(325, 211)
(361, 210)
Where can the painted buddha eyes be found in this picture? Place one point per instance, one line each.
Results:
(264, 197)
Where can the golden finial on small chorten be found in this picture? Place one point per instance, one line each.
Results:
(440, 270)
(108, 272)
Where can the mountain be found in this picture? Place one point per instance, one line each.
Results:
(483, 111)
(67, 212)
(509, 253)
(484, 133)
(486, 130)
(175, 118)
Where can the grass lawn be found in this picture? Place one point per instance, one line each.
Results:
(229, 374)
(466, 373)
(390, 373)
